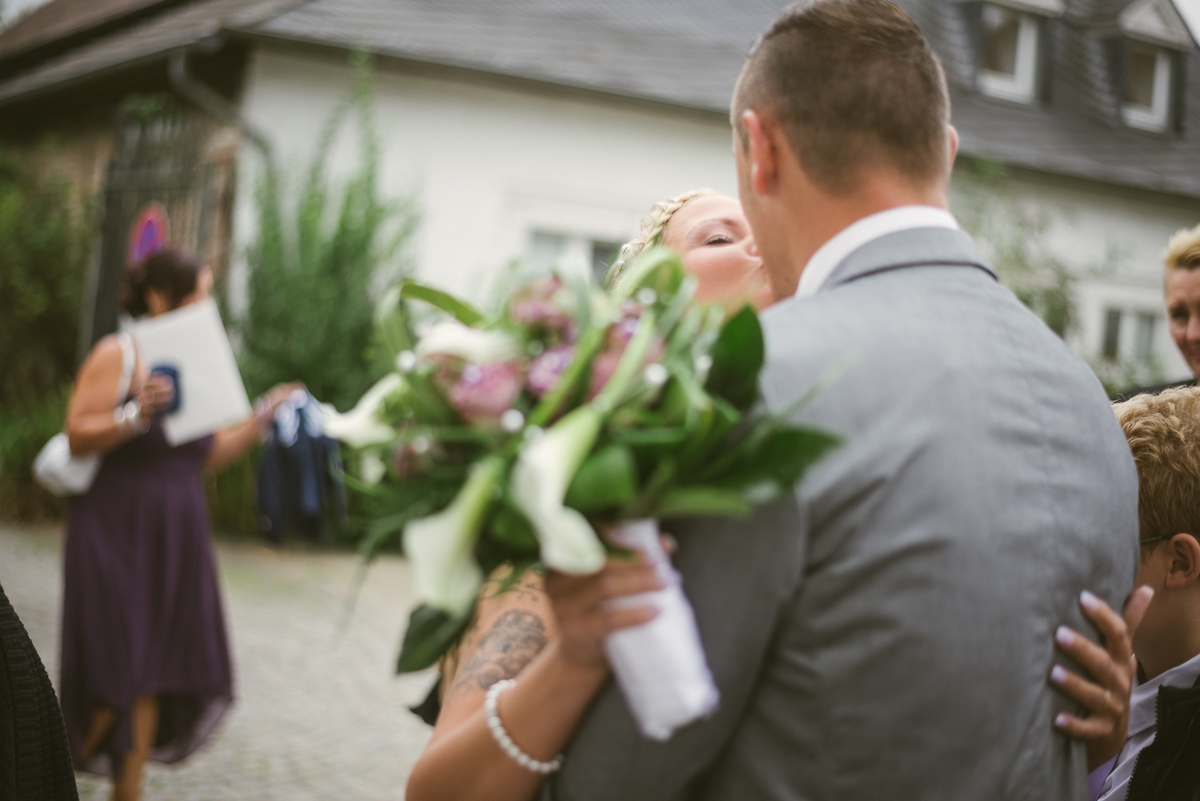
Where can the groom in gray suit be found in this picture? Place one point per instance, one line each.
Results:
(887, 633)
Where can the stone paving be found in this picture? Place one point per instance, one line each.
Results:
(319, 712)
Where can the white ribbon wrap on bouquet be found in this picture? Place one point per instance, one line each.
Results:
(660, 665)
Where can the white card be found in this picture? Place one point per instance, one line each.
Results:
(192, 340)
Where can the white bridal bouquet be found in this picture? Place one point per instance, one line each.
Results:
(511, 438)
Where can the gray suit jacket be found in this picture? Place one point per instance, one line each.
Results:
(887, 634)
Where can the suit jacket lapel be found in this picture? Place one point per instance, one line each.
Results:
(916, 247)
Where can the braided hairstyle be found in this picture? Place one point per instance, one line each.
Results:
(651, 231)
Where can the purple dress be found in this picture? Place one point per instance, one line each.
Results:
(142, 611)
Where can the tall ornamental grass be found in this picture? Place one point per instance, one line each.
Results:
(312, 267)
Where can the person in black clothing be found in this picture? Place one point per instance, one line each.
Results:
(35, 763)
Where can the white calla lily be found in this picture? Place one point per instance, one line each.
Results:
(360, 426)
(371, 468)
(475, 345)
(540, 478)
(441, 546)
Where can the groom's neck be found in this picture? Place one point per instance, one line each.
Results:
(812, 216)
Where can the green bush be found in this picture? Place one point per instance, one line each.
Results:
(232, 498)
(44, 245)
(309, 314)
(23, 432)
(1012, 237)
(45, 236)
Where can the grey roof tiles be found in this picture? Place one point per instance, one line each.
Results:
(687, 53)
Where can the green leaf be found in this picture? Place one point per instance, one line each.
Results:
(510, 529)
(424, 400)
(650, 437)
(659, 269)
(431, 633)
(607, 479)
(459, 309)
(737, 359)
(585, 349)
(697, 501)
(782, 457)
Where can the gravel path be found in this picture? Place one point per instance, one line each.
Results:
(319, 712)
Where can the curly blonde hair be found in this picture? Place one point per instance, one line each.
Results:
(1163, 431)
(1183, 251)
(651, 231)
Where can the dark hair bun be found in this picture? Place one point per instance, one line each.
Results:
(170, 272)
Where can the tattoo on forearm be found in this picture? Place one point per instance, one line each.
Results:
(513, 640)
(528, 587)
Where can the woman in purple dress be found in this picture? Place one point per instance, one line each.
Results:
(146, 671)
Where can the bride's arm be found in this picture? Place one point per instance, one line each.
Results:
(547, 633)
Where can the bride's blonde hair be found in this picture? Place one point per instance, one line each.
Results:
(651, 231)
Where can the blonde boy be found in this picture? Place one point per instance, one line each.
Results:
(1164, 720)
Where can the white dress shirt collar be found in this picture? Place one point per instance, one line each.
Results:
(852, 237)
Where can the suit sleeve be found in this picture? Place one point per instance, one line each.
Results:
(739, 575)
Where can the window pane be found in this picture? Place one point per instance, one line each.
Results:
(545, 251)
(1112, 333)
(1001, 32)
(1140, 63)
(1144, 339)
(603, 255)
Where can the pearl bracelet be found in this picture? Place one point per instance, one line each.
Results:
(504, 741)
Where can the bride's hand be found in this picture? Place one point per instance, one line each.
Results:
(1113, 668)
(583, 608)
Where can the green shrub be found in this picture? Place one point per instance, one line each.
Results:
(23, 432)
(309, 314)
(44, 245)
(232, 498)
(45, 236)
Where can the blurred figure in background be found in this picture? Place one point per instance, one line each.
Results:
(146, 669)
(1182, 288)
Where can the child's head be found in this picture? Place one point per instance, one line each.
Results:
(1164, 435)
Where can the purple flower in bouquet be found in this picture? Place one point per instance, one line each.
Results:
(542, 305)
(617, 341)
(409, 457)
(546, 369)
(484, 392)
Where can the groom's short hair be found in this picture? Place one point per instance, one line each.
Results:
(854, 85)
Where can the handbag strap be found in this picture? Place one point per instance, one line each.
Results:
(128, 363)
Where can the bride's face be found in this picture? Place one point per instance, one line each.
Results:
(718, 248)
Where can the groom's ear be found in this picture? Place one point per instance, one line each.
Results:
(952, 136)
(761, 151)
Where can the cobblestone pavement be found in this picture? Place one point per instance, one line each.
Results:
(319, 713)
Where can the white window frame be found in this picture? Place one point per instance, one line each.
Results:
(1020, 87)
(1155, 117)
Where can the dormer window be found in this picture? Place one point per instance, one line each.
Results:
(1008, 57)
(1147, 97)
(1153, 32)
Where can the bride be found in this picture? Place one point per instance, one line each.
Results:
(543, 634)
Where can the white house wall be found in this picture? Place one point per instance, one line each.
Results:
(1113, 239)
(490, 165)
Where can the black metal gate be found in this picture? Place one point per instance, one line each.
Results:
(165, 159)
